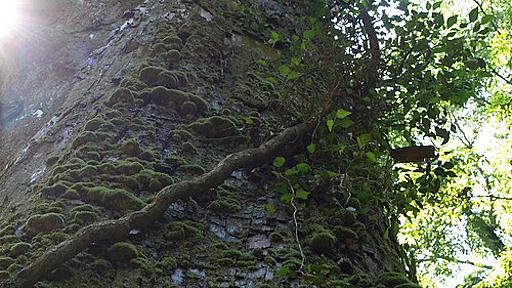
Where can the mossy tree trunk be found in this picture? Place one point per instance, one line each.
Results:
(170, 93)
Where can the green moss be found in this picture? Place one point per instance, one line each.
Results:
(71, 195)
(158, 76)
(173, 41)
(122, 252)
(101, 266)
(181, 230)
(169, 264)
(121, 95)
(322, 241)
(172, 98)
(225, 206)
(44, 223)
(345, 217)
(52, 160)
(188, 108)
(213, 127)
(5, 262)
(142, 263)
(133, 84)
(131, 148)
(8, 239)
(393, 279)
(277, 237)
(189, 149)
(191, 169)
(172, 57)
(19, 248)
(85, 217)
(56, 189)
(117, 199)
(344, 233)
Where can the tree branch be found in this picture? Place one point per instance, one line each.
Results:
(374, 47)
(116, 230)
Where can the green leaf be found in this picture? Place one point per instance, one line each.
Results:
(341, 114)
(371, 156)
(311, 148)
(284, 70)
(486, 19)
(291, 172)
(270, 208)
(293, 75)
(279, 161)
(346, 123)
(451, 21)
(473, 15)
(296, 61)
(249, 121)
(302, 194)
(303, 168)
(363, 140)
(308, 34)
(330, 124)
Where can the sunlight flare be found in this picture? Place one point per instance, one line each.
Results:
(9, 17)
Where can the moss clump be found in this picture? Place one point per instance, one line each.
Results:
(133, 84)
(213, 127)
(52, 160)
(122, 252)
(149, 180)
(172, 98)
(142, 263)
(19, 248)
(71, 195)
(224, 206)
(94, 124)
(121, 95)
(131, 148)
(44, 223)
(322, 241)
(4, 275)
(173, 41)
(157, 76)
(5, 262)
(85, 217)
(117, 199)
(188, 108)
(393, 279)
(101, 266)
(182, 230)
(344, 233)
(277, 237)
(169, 264)
(191, 169)
(172, 57)
(56, 189)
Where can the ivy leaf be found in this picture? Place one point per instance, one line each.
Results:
(311, 148)
(341, 114)
(279, 161)
(330, 124)
(302, 194)
(296, 61)
(451, 21)
(473, 15)
(292, 75)
(363, 140)
(346, 123)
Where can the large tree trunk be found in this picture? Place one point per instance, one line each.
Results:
(107, 143)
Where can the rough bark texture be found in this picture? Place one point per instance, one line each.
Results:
(148, 102)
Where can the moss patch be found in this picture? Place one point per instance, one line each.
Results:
(122, 252)
(44, 223)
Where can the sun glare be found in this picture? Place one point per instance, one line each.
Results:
(8, 17)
